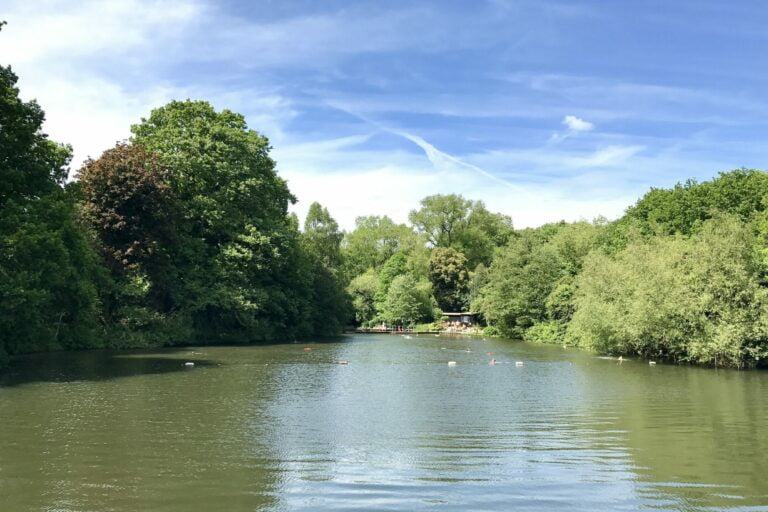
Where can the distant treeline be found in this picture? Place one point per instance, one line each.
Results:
(182, 235)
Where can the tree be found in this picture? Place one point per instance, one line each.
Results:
(407, 302)
(484, 233)
(362, 289)
(441, 218)
(395, 266)
(48, 270)
(374, 240)
(521, 279)
(128, 202)
(467, 226)
(692, 299)
(322, 236)
(31, 165)
(321, 242)
(450, 278)
(235, 240)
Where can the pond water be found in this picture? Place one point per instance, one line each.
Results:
(280, 428)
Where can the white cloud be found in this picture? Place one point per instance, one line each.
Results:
(39, 30)
(395, 190)
(576, 124)
(352, 181)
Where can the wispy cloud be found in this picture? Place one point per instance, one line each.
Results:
(371, 106)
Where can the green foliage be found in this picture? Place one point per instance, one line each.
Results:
(450, 278)
(395, 266)
(408, 302)
(363, 289)
(322, 237)
(183, 235)
(321, 242)
(49, 273)
(235, 241)
(683, 209)
(31, 165)
(688, 300)
(467, 226)
(441, 218)
(375, 240)
(549, 331)
(520, 279)
(560, 302)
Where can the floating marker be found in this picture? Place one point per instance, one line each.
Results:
(652, 363)
(343, 362)
(189, 363)
(307, 349)
(518, 363)
(451, 363)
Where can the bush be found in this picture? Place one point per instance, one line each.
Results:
(552, 331)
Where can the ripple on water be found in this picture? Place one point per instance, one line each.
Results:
(281, 428)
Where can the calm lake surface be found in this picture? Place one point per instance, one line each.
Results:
(282, 428)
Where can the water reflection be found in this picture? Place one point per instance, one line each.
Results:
(96, 365)
(283, 428)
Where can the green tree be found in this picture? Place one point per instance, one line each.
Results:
(692, 299)
(31, 165)
(235, 240)
(362, 289)
(407, 302)
(321, 242)
(521, 279)
(374, 240)
(322, 237)
(441, 218)
(450, 278)
(395, 266)
(49, 273)
(467, 226)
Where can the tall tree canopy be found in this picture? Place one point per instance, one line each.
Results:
(236, 243)
(49, 273)
(322, 236)
(321, 241)
(467, 226)
(374, 240)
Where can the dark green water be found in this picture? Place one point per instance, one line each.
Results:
(281, 428)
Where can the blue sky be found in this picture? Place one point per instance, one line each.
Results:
(544, 110)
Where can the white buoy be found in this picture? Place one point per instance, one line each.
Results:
(518, 363)
(343, 362)
(652, 363)
(451, 363)
(189, 363)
